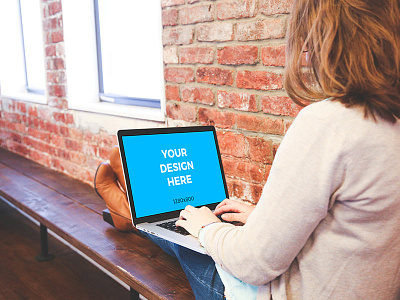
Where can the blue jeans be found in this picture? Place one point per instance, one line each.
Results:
(199, 269)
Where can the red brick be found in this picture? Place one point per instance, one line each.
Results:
(56, 77)
(260, 124)
(58, 63)
(243, 169)
(238, 55)
(32, 111)
(39, 134)
(235, 187)
(53, 128)
(57, 141)
(273, 55)
(59, 117)
(12, 117)
(196, 14)
(237, 9)
(209, 116)
(178, 36)
(239, 101)
(287, 124)
(57, 36)
(215, 32)
(172, 92)
(252, 192)
(214, 75)
(67, 167)
(260, 30)
(16, 137)
(183, 112)
(54, 7)
(179, 75)
(77, 158)
(50, 50)
(73, 145)
(231, 144)
(170, 17)
(196, 55)
(246, 191)
(52, 23)
(18, 148)
(277, 105)
(271, 7)
(197, 95)
(170, 55)
(38, 145)
(166, 3)
(260, 150)
(20, 127)
(64, 131)
(40, 157)
(259, 80)
(21, 107)
(69, 118)
(57, 90)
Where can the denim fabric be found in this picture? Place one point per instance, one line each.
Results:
(199, 269)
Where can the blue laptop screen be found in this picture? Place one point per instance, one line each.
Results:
(169, 171)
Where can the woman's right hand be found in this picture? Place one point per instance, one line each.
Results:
(233, 211)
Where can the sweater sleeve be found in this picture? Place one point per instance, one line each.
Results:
(308, 168)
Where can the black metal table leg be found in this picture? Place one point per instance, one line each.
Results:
(44, 255)
(133, 294)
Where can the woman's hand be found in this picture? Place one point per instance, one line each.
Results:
(233, 211)
(193, 219)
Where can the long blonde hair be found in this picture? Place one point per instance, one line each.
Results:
(353, 54)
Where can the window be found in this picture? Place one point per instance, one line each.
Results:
(22, 70)
(128, 44)
(114, 54)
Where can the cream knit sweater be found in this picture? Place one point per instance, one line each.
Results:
(327, 225)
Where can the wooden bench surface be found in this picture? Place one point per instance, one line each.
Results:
(73, 211)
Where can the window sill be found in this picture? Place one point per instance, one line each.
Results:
(144, 113)
(30, 97)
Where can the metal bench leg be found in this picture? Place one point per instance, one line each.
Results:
(44, 255)
(133, 294)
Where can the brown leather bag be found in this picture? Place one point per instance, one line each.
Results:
(109, 183)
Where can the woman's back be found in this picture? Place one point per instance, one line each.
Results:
(354, 253)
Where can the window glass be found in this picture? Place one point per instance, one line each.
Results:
(32, 31)
(130, 51)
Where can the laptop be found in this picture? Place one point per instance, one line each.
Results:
(167, 169)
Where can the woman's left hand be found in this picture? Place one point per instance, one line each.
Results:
(193, 219)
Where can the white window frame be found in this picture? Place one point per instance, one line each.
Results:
(12, 57)
(82, 69)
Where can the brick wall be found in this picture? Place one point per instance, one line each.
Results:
(224, 62)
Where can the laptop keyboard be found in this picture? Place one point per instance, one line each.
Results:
(171, 226)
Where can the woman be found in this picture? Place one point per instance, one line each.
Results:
(327, 225)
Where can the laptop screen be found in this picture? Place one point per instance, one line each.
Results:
(169, 170)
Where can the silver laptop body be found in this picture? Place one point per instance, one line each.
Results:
(166, 169)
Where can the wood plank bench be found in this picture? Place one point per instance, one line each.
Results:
(73, 211)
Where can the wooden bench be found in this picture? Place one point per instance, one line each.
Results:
(73, 211)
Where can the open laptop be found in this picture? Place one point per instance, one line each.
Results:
(167, 169)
